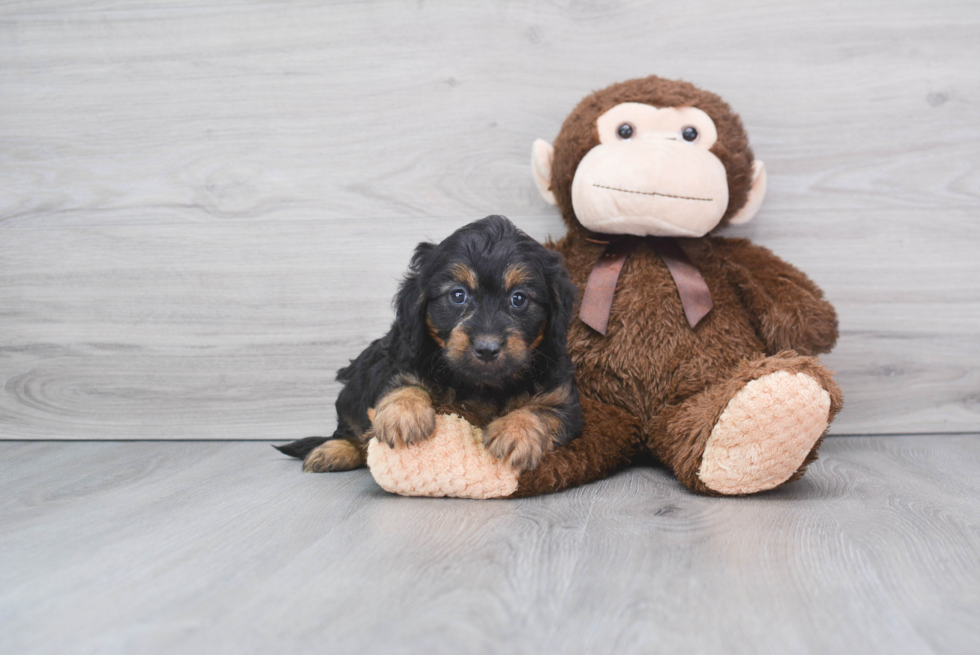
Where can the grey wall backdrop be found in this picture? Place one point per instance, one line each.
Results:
(205, 207)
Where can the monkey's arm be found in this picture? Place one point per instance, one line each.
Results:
(788, 310)
(610, 439)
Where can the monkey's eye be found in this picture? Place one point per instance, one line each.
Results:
(458, 296)
(625, 131)
(690, 133)
(518, 299)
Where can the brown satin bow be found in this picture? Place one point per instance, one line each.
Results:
(601, 287)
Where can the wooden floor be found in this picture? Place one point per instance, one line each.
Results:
(177, 547)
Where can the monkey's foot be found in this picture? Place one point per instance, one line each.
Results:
(765, 433)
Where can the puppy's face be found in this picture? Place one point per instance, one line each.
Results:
(487, 311)
(487, 306)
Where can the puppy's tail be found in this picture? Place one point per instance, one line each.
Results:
(301, 447)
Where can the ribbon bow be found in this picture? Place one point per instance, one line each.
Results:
(601, 287)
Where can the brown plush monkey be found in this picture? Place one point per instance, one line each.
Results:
(706, 342)
(694, 348)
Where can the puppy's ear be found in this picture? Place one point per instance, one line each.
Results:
(562, 296)
(410, 306)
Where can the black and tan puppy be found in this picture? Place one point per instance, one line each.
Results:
(480, 331)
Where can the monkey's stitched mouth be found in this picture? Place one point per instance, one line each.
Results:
(653, 193)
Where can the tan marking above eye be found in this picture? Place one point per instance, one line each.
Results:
(464, 275)
(515, 275)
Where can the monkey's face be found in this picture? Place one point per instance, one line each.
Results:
(652, 174)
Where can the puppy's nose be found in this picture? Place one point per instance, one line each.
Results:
(486, 349)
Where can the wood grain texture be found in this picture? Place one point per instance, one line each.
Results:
(228, 548)
(205, 207)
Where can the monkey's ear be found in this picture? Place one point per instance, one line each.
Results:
(542, 155)
(756, 194)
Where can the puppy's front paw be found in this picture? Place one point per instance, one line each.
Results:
(403, 417)
(520, 438)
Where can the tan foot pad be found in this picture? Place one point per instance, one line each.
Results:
(452, 462)
(765, 433)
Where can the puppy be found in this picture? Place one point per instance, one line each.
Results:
(480, 331)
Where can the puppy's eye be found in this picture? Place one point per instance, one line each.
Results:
(518, 299)
(458, 296)
(625, 131)
(690, 134)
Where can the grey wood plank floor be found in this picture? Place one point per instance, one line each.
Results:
(150, 547)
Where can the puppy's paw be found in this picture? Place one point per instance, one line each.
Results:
(335, 455)
(403, 417)
(520, 438)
